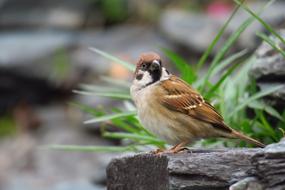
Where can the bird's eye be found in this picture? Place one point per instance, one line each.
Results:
(143, 65)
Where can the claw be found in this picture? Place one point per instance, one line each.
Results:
(157, 151)
(175, 149)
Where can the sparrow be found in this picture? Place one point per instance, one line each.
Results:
(172, 110)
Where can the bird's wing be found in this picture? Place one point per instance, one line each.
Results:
(181, 97)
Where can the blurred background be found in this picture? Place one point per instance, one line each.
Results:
(44, 55)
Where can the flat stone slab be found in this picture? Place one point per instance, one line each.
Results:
(201, 169)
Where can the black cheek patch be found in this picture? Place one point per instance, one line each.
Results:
(167, 71)
(139, 76)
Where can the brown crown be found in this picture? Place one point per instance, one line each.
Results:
(147, 58)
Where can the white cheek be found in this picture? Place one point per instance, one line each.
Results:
(164, 74)
(145, 79)
(138, 85)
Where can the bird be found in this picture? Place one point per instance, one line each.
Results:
(172, 110)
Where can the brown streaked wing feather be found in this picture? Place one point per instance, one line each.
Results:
(183, 98)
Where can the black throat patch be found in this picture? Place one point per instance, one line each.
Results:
(155, 75)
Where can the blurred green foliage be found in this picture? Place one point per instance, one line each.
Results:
(7, 126)
(114, 10)
(60, 65)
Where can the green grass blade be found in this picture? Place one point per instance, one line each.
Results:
(267, 26)
(125, 126)
(100, 88)
(221, 80)
(227, 62)
(266, 125)
(129, 105)
(241, 78)
(116, 82)
(110, 117)
(273, 112)
(135, 137)
(267, 108)
(115, 95)
(232, 39)
(221, 67)
(228, 44)
(210, 48)
(88, 109)
(271, 43)
(255, 97)
(127, 65)
(91, 148)
(187, 72)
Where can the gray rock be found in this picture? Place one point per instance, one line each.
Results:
(25, 72)
(249, 183)
(28, 165)
(277, 149)
(194, 169)
(74, 164)
(22, 183)
(44, 13)
(191, 30)
(270, 167)
(76, 185)
(274, 15)
(269, 70)
(196, 31)
(269, 64)
(203, 170)
(276, 98)
(142, 172)
(26, 46)
(237, 169)
(62, 59)
(125, 41)
(33, 52)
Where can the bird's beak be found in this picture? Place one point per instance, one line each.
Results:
(155, 65)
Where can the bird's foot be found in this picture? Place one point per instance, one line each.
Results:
(177, 149)
(157, 151)
(174, 150)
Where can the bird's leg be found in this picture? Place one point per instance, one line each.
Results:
(178, 148)
(157, 151)
(175, 149)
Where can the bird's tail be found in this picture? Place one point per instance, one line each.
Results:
(239, 135)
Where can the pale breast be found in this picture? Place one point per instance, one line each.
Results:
(158, 120)
(173, 127)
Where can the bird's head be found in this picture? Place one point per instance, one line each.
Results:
(149, 69)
